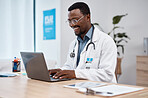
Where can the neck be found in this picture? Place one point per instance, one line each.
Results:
(82, 35)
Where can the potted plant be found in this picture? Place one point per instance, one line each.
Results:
(119, 38)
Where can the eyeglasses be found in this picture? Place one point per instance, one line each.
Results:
(74, 21)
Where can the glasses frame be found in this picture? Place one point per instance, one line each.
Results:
(75, 21)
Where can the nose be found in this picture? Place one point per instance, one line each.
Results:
(71, 24)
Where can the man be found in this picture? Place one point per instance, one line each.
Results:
(92, 55)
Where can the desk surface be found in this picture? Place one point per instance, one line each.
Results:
(22, 87)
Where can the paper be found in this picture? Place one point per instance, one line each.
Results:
(85, 85)
(113, 89)
(8, 74)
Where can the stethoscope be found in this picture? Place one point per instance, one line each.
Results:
(72, 54)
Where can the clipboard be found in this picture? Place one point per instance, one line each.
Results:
(113, 90)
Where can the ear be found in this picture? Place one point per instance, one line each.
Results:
(88, 17)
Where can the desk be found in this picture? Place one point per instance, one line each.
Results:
(142, 71)
(22, 87)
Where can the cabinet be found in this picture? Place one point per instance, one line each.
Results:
(142, 71)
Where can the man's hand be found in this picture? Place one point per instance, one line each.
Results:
(70, 74)
(53, 71)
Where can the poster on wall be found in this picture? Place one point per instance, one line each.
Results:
(49, 24)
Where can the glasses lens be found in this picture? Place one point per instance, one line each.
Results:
(74, 21)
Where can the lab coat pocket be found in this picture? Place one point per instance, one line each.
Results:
(95, 63)
(95, 53)
(92, 64)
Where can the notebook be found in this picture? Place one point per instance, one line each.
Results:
(36, 67)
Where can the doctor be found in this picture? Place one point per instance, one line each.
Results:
(92, 55)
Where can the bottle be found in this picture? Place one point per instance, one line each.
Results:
(89, 63)
(16, 65)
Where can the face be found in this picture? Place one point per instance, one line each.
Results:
(83, 21)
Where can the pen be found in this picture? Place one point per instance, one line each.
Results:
(92, 92)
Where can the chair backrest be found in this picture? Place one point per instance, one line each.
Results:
(118, 71)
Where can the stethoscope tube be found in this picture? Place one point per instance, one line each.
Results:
(72, 54)
(89, 44)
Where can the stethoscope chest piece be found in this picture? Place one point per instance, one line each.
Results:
(72, 55)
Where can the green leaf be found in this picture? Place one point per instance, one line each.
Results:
(109, 33)
(122, 47)
(116, 19)
(116, 27)
(122, 35)
(115, 36)
(118, 53)
(121, 41)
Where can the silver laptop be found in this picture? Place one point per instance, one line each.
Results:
(35, 66)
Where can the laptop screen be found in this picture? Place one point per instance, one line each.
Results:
(35, 65)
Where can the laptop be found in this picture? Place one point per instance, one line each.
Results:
(35, 66)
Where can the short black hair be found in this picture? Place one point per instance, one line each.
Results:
(83, 7)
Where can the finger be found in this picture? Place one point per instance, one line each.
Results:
(59, 74)
(53, 71)
(70, 74)
(64, 77)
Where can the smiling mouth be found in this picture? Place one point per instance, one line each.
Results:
(75, 28)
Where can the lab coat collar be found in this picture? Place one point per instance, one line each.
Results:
(96, 35)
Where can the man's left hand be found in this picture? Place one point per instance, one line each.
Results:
(70, 74)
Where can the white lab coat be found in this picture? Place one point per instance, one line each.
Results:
(104, 59)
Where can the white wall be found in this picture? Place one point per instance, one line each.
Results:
(50, 48)
(16, 30)
(16, 27)
(135, 25)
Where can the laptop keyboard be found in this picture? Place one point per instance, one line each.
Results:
(53, 79)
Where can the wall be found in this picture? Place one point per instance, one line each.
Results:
(16, 30)
(135, 25)
(16, 27)
(50, 48)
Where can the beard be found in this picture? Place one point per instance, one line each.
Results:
(79, 32)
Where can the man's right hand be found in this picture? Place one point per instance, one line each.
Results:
(52, 72)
